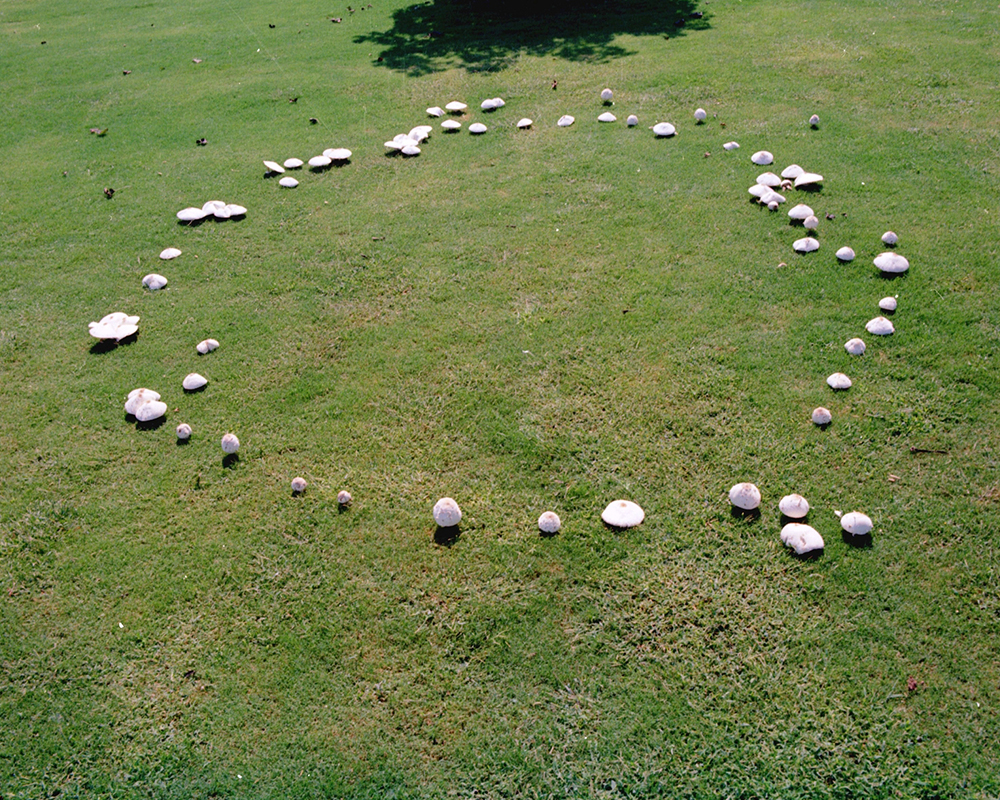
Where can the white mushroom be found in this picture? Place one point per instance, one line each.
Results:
(206, 346)
(800, 212)
(887, 304)
(299, 485)
(855, 346)
(879, 326)
(889, 238)
(499, 102)
(607, 95)
(806, 245)
(814, 120)
(811, 222)
(565, 121)
(663, 129)
(762, 158)
(856, 523)
(793, 506)
(607, 116)
(477, 128)
(845, 254)
(772, 205)
(447, 513)
(891, 262)
(169, 253)
(235, 210)
(808, 179)
(838, 381)
(768, 179)
(273, 166)
(745, 496)
(138, 397)
(549, 522)
(116, 325)
(792, 171)
(456, 107)
(801, 538)
(632, 120)
(212, 206)
(193, 382)
(418, 133)
(344, 498)
(318, 162)
(191, 214)
(435, 111)
(339, 153)
(730, 146)
(293, 163)
(410, 150)
(758, 190)
(488, 105)
(153, 281)
(222, 211)
(183, 431)
(153, 409)
(230, 444)
(448, 125)
(288, 182)
(821, 416)
(524, 122)
(700, 115)
(623, 514)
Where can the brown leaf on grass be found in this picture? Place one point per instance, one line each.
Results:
(911, 684)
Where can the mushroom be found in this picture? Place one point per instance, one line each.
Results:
(499, 102)
(230, 444)
(340, 153)
(288, 182)
(154, 281)
(607, 116)
(274, 166)
(116, 325)
(700, 115)
(856, 523)
(206, 346)
(758, 190)
(879, 326)
(607, 95)
(183, 431)
(838, 381)
(565, 121)
(435, 111)
(745, 496)
(855, 346)
(821, 416)
(488, 105)
(793, 506)
(221, 211)
(456, 107)
(889, 238)
(169, 253)
(299, 485)
(235, 210)
(632, 120)
(193, 382)
(801, 538)
(477, 128)
(663, 129)
(449, 125)
(344, 498)
(447, 513)
(410, 150)
(792, 171)
(293, 163)
(319, 162)
(773, 205)
(762, 158)
(806, 245)
(892, 263)
(800, 212)
(887, 304)
(811, 222)
(150, 410)
(814, 120)
(138, 397)
(623, 514)
(418, 134)
(730, 146)
(191, 214)
(808, 179)
(768, 179)
(845, 254)
(549, 522)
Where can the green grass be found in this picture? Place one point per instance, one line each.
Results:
(524, 321)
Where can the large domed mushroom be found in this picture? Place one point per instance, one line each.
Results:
(623, 514)
(856, 523)
(154, 281)
(806, 245)
(151, 410)
(821, 416)
(793, 506)
(549, 522)
(855, 346)
(762, 158)
(169, 253)
(745, 496)
(845, 254)
(206, 346)
(892, 263)
(477, 127)
(138, 397)
(879, 326)
(607, 116)
(193, 382)
(839, 382)
(801, 538)
(446, 512)
(116, 325)
(664, 129)
(230, 444)
(565, 121)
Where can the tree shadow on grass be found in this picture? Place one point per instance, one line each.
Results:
(489, 35)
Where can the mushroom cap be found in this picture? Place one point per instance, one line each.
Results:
(731, 146)
(891, 262)
(230, 444)
(632, 120)
(456, 105)
(150, 410)
(845, 254)
(293, 163)
(855, 346)
(623, 514)
(449, 125)
(889, 238)
(800, 212)
(477, 127)
(410, 150)
(524, 122)
(193, 382)
(274, 166)
(887, 303)
(801, 538)
(838, 381)
(116, 325)
(420, 132)
(337, 153)
(807, 245)
(772, 205)
(792, 171)
(235, 210)
(488, 105)
(183, 431)
(435, 111)
(169, 253)
(762, 158)
(191, 214)
(821, 416)
(447, 513)
(138, 397)
(499, 101)
(700, 114)
(565, 121)
(154, 281)
(288, 182)
(808, 179)
(768, 179)
(758, 190)
(222, 212)
(794, 506)
(664, 129)
(745, 496)
(206, 346)
(856, 523)
(344, 497)
(320, 161)
(299, 485)
(772, 198)
(549, 522)
(607, 116)
(811, 222)
(212, 206)
(814, 119)
(607, 94)
(879, 326)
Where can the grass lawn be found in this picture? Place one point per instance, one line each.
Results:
(529, 320)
